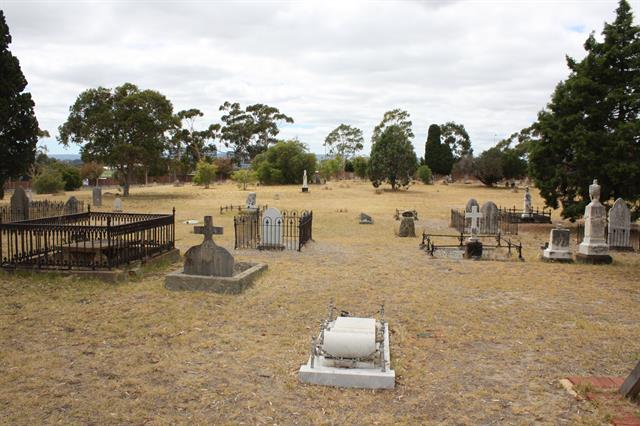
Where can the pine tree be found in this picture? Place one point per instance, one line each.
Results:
(18, 124)
(437, 155)
(591, 127)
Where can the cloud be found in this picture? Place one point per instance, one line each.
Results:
(486, 64)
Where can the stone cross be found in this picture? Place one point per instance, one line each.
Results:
(208, 230)
(528, 208)
(474, 215)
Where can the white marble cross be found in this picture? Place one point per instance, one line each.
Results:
(474, 215)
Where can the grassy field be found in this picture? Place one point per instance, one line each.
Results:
(471, 342)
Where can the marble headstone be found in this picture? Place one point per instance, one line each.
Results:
(19, 205)
(208, 259)
(271, 228)
(594, 248)
(305, 186)
(117, 204)
(527, 204)
(71, 206)
(407, 227)
(251, 200)
(97, 196)
(472, 202)
(619, 226)
(558, 249)
(490, 218)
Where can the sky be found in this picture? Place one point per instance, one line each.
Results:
(489, 65)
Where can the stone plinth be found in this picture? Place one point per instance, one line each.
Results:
(558, 249)
(243, 276)
(473, 249)
(594, 248)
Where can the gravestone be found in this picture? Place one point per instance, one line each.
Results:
(208, 259)
(490, 218)
(19, 205)
(472, 202)
(631, 386)
(271, 229)
(594, 248)
(251, 201)
(97, 196)
(305, 186)
(71, 206)
(316, 178)
(365, 219)
(473, 246)
(558, 249)
(527, 214)
(29, 194)
(619, 226)
(117, 204)
(407, 227)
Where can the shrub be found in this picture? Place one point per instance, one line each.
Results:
(348, 166)
(91, 171)
(48, 182)
(392, 159)
(205, 173)
(284, 163)
(488, 166)
(330, 168)
(225, 167)
(360, 167)
(244, 177)
(424, 174)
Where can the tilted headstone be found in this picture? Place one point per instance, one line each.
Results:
(271, 228)
(619, 226)
(71, 206)
(208, 259)
(97, 196)
(117, 204)
(490, 218)
(19, 205)
(594, 247)
(631, 386)
(558, 248)
(365, 219)
(251, 200)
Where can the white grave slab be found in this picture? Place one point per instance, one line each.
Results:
(271, 229)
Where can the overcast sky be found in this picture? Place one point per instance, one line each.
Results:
(490, 65)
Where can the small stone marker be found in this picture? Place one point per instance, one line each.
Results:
(407, 227)
(365, 219)
(251, 200)
(71, 206)
(305, 186)
(631, 386)
(207, 258)
(97, 196)
(594, 248)
(271, 229)
(619, 226)
(117, 204)
(19, 205)
(490, 218)
(558, 249)
(528, 207)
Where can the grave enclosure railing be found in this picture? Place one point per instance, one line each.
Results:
(291, 232)
(430, 247)
(501, 225)
(88, 240)
(39, 209)
(239, 208)
(536, 215)
(634, 235)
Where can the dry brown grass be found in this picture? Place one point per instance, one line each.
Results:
(503, 332)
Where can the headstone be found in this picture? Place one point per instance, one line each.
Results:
(558, 249)
(97, 196)
(594, 248)
(208, 259)
(365, 219)
(117, 204)
(305, 186)
(631, 386)
(271, 229)
(276, 196)
(490, 218)
(19, 205)
(407, 227)
(528, 206)
(29, 194)
(251, 201)
(316, 178)
(619, 226)
(473, 246)
(472, 202)
(71, 206)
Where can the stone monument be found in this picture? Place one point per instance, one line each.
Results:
(527, 214)
(473, 246)
(271, 230)
(558, 248)
(490, 218)
(305, 186)
(97, 196)
(117, 205)
(251, 201)
(619, 226)
(365, 219)
(19, 205)
(71, 206)
(594, 248)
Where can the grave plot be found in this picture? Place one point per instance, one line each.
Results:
(272, 229)
(493, 221)
(89, 240)
(22, 208)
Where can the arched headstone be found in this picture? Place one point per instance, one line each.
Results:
(490, 218)
(619, 226)
(271, 229)
(19, 205)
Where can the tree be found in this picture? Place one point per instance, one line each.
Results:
(424, 173)
(250, 132)
(225, 167)
(244, 177)
(392, 159)
(360, 167)
(456, 136)
(344, 141)
(464, 166)
(284, 163)
(189, 146)
(123, 128)
(70, 175)
(513, 165)
(205, 174)
(92, 171)
(49, 181)
(488, 166)
(591, 127)
(330, 167)
(395, 117)
(437, 155)
(18, 123)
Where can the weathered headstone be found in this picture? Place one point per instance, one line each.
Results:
(207, 258)
(71, 206)
(631, 386)
(305, 186)
(365, 219)
(316, 178)
(594, 248)
(469, 206)
(117, 204)
(407, 227)
(19, 205)
(619, 226)
(473, 246)
(527, 205)
(558, 249)
(96, 196)
(251, 201)
(490, 218)
(271, 229)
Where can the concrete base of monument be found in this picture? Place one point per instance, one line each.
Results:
(473, 250)
(305, 189)
(594, 259)
(243, 276)
(556, 256)
(361, 378)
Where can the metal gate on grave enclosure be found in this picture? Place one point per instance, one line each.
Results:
(291, 231)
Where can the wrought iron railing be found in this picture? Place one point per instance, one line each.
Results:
(428, 244)
(634, 235)
(89, 240)
(498, 224)
(291, 231)
(39, 209)
(536, 215)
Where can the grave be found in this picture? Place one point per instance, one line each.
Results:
(473, 245)
(558, 248)
(527, 215)
(365, 219)
(469, 206)
(209, 267)
(407, 227)
(71, 206)
(305, 186)
(19, 205)
(594, 248)
(29, 194)
(271, 230)
(631, 386)
(316, 178)
(490, 218)
(619, 226)
(97, 196)
(350, 352)
(117, 205)
(251, 201)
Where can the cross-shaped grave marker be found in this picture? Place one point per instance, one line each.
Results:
(208, 230)
(474, 215)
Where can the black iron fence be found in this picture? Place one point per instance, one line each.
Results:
(239, 208)
(537, 215)
(88, 240)
(487, 225)
(428, 244)
(290, 231)
(40, 209)
(634, 235)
